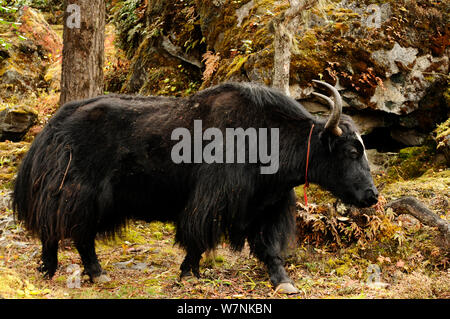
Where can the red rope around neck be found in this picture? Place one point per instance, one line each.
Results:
(305, 186)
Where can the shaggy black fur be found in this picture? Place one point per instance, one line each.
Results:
(103, 161)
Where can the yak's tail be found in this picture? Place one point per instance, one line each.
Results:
(37, 191)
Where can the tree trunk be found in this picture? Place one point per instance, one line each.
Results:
(83, 51)
(285, 27)
(282, 58)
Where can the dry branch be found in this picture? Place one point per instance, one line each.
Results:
(346, 224)
(415, 208)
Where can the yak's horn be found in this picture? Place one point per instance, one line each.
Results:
(336, 108)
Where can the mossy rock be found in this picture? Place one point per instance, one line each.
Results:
(335, 43)
(35, 28)
(157, 73)
(412, 162)
(53, 76)
(32, 48)
(15, 121)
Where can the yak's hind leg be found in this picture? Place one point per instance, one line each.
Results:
(49, 256)
(269, 237)
(191, 264)
(86, 249)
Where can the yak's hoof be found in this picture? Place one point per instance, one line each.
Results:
(286, 288)
(189, 276)
(46, 272)
(192, 272)
(101, 279)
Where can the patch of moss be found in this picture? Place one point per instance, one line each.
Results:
(134, 236)
(415, 160)
(11, 153)
(236, 65)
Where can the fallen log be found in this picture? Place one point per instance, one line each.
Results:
(415, 208)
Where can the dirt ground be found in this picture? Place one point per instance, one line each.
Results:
(144, 263)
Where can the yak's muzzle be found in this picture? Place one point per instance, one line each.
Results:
(370, 196)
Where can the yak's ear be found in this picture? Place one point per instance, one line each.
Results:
(327, 140)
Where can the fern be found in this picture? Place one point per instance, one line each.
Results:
(129, 24)
(211, 64)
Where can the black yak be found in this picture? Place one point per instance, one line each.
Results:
(102, 161)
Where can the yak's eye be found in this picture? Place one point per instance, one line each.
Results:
(353, 153)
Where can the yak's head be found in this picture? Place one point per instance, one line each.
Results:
(342, 166)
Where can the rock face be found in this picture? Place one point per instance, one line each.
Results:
(164, 42)
(389, 59)
(407, 78)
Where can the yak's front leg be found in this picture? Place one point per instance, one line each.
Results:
(275, 266)
(269, 237)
